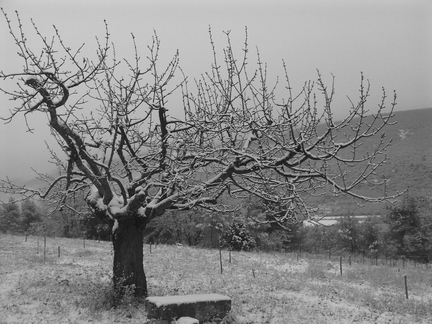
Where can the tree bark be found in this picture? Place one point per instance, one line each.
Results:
(128, 269)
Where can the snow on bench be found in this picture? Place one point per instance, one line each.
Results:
(202, 307)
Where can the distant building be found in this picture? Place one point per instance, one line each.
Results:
(331, 220)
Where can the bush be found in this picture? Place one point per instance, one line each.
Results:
(410, 227)
(10, 218)
(237, 238)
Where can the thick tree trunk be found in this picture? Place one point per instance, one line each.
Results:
(128, 258)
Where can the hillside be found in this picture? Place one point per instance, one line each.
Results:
(409, 163)
(410, 156)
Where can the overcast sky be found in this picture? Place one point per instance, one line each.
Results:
(390, 41)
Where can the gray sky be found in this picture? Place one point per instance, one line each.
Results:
(390, 41)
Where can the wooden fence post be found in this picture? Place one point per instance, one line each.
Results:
(220, 258)
(44, 248)
(406, 287)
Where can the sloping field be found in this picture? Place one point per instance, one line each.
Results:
(265, 288)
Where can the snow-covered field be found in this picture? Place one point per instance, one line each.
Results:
(265, 287)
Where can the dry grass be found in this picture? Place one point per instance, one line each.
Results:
(265, 288)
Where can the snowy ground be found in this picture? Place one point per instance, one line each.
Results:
(265, 288)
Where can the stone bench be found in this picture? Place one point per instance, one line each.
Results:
(201, 307)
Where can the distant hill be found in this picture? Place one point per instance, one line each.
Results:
(410, 156)
(409, 164)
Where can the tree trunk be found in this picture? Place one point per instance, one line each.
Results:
(128, 266)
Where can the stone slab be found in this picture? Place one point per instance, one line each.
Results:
(201, 307)
(187, 320)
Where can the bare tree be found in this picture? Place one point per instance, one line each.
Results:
(236, 138)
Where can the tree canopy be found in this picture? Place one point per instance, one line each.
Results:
(238, 135)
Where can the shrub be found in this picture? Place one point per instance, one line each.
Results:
(237, 238)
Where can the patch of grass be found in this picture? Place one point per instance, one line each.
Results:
(316, 271)
(83, 253)
(380, 289)
(75, 288)
(264, 287)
